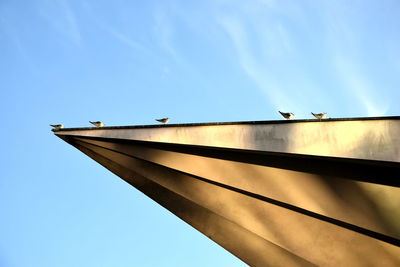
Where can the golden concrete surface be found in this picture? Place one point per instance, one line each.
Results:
(267, 215)
(367, 205)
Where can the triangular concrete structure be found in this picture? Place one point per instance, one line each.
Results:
(273, 193)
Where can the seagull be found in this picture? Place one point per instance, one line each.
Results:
(57, 126)
(163, 120)
(287, 115)
(319, 116)
(97, 123)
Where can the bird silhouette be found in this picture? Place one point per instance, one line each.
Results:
(97, 123)
(163, 120)
(319, 116)
(57, 126)
(287, 115)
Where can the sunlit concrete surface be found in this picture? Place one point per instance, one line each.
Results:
(365, 138)
(275, 193)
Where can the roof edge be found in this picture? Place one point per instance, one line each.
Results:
(227, 123)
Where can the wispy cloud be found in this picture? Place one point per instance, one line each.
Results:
(164, 31)
(323, 54)
(62, 18)
(8, 31)
(254, 66)
(167, 32)
(11, 34)
(258, 41)
(123, 37)
(343, 44)
(136, 47)
(363, 88)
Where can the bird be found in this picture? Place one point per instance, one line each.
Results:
(163, 120)
(319, 116)
(97, 123)
(287, 115)
(57, 126)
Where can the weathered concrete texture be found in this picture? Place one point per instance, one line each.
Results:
(267, 209)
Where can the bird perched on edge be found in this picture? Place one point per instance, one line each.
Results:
(97, 123)
(163, 120)
(319, 116)
(287, 115)
(57, 126)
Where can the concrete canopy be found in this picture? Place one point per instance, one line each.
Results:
(273, 193)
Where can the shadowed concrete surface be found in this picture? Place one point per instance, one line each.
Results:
(274, 193)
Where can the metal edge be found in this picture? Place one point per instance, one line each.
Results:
(226, 123)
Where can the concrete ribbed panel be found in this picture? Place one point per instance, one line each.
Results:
(369, 205)
(267, 208)
(241, 242)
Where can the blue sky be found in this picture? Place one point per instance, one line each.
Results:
(129, 62)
